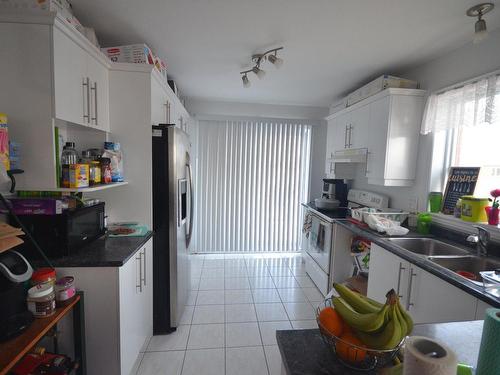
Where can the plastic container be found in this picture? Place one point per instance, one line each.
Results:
(473, 209)
(424, 223)
(435, 201)
(112, 150)
(42, 300)
(65, 290)
(43, 276)
(94, 173)
(69, 154)
(105, 170)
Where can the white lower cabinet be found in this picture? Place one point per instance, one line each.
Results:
(428, 298)
(136, 303)
(118, 311)
(481, 309)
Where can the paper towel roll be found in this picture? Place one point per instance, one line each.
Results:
(425, 356)
(488, 361)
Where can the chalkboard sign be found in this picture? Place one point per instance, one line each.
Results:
(461, 181)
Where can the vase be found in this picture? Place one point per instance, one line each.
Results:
(493, 214)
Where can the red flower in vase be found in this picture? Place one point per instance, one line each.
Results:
(495, 194)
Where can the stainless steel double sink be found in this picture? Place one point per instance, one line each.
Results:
(449, 256)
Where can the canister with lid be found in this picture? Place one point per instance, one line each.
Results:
(41, 300)
(44, 275)
(65, 290)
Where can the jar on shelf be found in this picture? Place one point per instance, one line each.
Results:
(43, 276)
(106, 170)
(41, 300)
(65, 290)
(95, 173)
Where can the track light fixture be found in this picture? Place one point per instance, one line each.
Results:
(246, 81)
(258, 72)
(257, 59)
(480, 30)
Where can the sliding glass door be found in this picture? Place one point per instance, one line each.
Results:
(252, 177)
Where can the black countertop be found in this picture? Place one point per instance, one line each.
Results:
(418, 260)
(303, 352)
(424, 263)
(104, 252)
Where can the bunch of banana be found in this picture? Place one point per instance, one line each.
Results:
(379, 326)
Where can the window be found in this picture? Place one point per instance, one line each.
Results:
(476, 146)
(465, 121)
(252, 177)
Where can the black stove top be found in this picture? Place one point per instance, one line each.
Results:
(338, 213)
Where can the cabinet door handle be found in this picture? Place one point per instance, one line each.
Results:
(345, 137)
(139, 259)
(410, 284)
(86, 95)
(93, 89)
(350, 135)
(145, 266)
(401, 268)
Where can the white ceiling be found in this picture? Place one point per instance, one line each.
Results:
(331, 46)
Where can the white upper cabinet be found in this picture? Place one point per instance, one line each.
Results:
(98, 76)
(159, 104)
(81, 84)
(387, 125)
(71, 102)
(358, 127)
(81, 81)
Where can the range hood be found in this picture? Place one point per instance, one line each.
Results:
(350, 155)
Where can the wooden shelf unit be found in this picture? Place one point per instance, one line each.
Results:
(15, 349)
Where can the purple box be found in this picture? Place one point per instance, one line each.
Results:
(36, 206)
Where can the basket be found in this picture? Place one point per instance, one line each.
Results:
(398, 217)
(373, 359)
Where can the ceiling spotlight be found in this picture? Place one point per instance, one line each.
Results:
(480, 30)
(259, 72)
(271, 56)
(246, 81)
(273, 59)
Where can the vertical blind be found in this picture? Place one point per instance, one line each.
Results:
(252, 178)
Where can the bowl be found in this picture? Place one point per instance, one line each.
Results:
(373, 359)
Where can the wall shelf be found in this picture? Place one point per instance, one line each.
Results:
(89, 189)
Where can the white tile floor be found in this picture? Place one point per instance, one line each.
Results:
(236, 304)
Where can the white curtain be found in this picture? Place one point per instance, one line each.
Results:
(473, 103)
(251, 180)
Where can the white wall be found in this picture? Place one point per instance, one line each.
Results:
(205, 109)
(459, 65)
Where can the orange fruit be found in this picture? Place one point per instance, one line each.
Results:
(346, 329)
(347, 352)
(331, 321)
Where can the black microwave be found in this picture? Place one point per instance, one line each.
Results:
(64, 234)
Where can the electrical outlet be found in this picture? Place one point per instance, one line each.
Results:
(413, 204)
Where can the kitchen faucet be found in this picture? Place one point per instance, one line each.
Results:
(481, 240)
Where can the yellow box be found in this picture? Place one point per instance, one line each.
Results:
(78, 175)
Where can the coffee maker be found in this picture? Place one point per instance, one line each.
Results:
(14, 314)
(335, 189)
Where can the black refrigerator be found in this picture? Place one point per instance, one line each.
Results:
(172, 225)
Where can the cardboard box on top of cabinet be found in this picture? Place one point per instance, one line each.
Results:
(62, 6)
(131, 53)
(136, 54)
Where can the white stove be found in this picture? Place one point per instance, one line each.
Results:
(320, 253)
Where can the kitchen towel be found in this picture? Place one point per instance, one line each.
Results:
(427, 356)
(489, 359)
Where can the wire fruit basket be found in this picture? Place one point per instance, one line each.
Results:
(353, 356)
